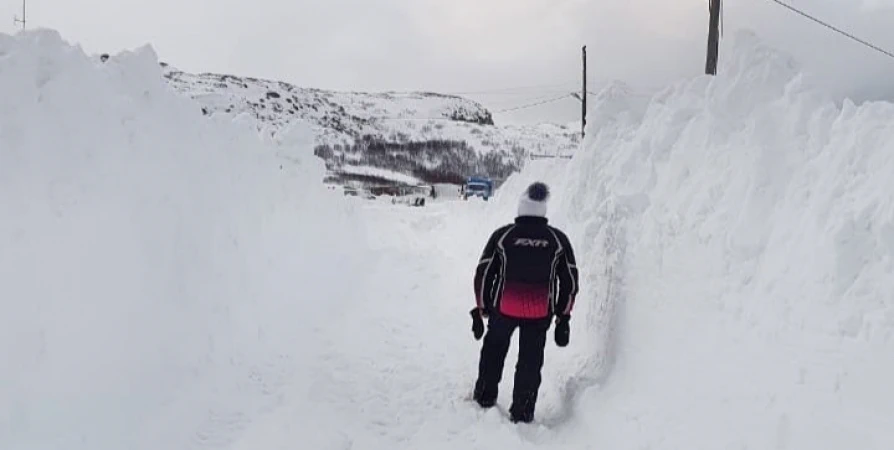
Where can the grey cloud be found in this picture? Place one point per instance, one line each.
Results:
(471, 45)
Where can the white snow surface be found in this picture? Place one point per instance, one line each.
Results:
(738, 235)
(342, 117)
(165, 285)
(382, 173)
(162, 278)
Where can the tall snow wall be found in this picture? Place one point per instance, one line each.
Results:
(161, 274)
(736, 239)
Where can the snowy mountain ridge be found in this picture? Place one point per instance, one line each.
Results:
(387, 137)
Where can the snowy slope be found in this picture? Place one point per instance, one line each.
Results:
(738, 236)
(430, 136)
(161, 275)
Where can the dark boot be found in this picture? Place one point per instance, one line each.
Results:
(532, 341)
(493, 356)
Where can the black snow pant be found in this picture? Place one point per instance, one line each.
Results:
(532, 340)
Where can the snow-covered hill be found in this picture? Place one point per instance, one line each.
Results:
(381, 137)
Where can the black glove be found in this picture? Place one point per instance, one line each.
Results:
(563, 330)
(477, 322)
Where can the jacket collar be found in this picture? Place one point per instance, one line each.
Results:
(535, 220)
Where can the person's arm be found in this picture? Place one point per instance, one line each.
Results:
(487, 271)
(568, 279)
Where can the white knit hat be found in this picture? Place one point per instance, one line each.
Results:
(533, 200)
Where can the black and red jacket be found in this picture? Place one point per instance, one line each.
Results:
(527, 271)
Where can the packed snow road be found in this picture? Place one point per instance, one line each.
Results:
(398, 363)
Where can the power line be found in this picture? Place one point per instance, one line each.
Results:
(833, 28)
(509, 93)
(509, 90)
(533, 98)
(414, 118)
(531, 105)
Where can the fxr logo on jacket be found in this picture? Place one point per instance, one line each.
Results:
(526, 242)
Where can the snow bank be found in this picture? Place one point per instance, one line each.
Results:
(736, 235)
(380, 173)
(162, 275)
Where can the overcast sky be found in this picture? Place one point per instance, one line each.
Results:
(469, 45)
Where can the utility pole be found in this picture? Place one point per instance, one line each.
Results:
(583, 96)
(713, 37)
(16, 20)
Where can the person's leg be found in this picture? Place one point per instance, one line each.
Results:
(532, 341)
(493, 355)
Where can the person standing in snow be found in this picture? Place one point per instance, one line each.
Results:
(525, 277)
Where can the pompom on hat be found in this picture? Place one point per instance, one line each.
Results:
(533, 201)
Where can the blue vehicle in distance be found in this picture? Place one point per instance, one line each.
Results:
(478, 187)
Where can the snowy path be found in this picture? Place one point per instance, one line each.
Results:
(397, 367)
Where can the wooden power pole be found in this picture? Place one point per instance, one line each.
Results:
(22, 20)
(713, 37)
(583, 96)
